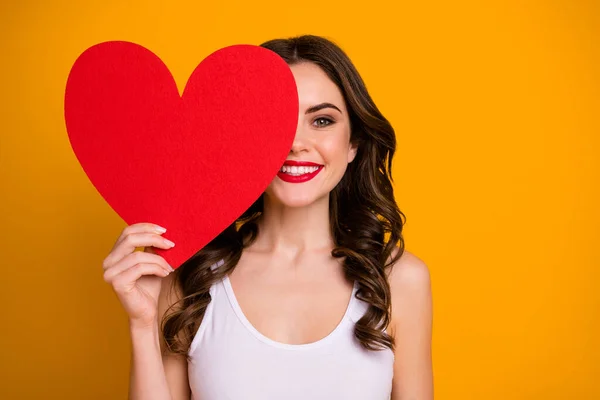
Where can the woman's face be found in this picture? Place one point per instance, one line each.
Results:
(321, 150)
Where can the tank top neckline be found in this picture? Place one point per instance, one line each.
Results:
(258, 335)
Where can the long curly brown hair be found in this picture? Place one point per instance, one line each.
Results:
(365, 221)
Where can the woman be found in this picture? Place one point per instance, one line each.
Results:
(310, 294)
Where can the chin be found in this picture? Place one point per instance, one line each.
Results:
(293, 200)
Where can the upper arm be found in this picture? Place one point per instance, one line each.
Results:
(411, 327)
(175, 366)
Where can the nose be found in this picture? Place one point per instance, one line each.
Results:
(301, 141)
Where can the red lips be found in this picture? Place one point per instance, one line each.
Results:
(305, 177)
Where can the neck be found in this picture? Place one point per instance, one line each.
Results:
(293, 230)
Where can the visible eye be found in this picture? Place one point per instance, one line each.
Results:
(323, 122)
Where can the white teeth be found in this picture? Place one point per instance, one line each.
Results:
(295, 170)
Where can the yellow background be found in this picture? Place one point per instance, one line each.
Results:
(496, 106)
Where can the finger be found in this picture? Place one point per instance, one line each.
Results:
(126, 280)
(131, 242)
(142, 227)
(132, 259)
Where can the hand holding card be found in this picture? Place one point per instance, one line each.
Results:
(191, 163)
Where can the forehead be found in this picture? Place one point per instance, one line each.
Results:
(314, 86)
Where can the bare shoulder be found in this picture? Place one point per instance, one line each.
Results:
(410, 273)
(410, 286)
(411, 327)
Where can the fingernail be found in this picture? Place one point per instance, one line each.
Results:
(171, 269)
(169, 243)
(160, 229)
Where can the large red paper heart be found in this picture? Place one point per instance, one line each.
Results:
(191, 163)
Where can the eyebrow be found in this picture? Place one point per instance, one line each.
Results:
(320, 107)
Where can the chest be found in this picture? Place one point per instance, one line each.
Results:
(254, 370)
(230, 359)
(292, 311)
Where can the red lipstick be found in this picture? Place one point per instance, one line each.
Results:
(303, 177)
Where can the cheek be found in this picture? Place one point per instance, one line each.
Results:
(335, 149)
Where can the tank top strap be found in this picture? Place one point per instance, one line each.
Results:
(358, 307)
(217, 264)
(208, 313)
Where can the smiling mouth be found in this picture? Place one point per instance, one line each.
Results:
(298, 171)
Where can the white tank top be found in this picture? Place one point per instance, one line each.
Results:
(231, 360)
